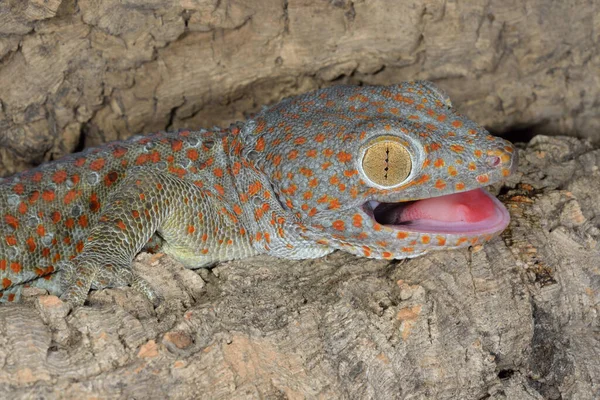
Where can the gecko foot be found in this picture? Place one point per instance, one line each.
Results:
(79, 278)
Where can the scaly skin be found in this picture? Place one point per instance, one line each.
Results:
(288, 182)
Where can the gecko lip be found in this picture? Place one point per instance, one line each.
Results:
(475, 212)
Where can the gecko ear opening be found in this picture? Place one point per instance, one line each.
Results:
(386, 162)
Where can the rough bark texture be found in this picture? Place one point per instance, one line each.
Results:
(516, 319)
(76, 73)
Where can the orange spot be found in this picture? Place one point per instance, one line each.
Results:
(457, 148)
(37, 177)
(407, 249)
(254, 188)
(31, 244)
(48, 195)
(260, 144)
(111, 178)
(435, 146)
(191, 229)
(6, 283)
(121, 225)
(22, 208)
(236, 167)
(11, 240)
(387, 255)
(218, 172)
(338, 225)
(292, 154)
(94, 203)
(176, 145)
(425, 239)
(461, 240)
(460, 186)
(34, 197)
(59, 177)
(402, 235)
(452, 170)
(319, 138)
(119, 152)
(41, 230)
(2, 265)
(19, 188)
(219, 189)
(56, 216)
(439, 163)
(440, 184)
(306, 171)
(11, 221)
(83, 221)
(482, 178)
(98, 164)
(15, 267)
(344, 157)
(311, 153)
(334, 204)
(70, 196)
(142, 159)
(192, 154)
(457, 124)
(357, 220)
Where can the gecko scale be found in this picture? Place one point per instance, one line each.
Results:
(386, 172)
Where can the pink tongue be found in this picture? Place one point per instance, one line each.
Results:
(471, 206)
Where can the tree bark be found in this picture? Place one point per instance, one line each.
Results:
(516, 319)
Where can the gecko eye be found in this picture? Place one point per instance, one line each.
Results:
(386, 161)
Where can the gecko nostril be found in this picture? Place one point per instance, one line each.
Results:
(493, 161)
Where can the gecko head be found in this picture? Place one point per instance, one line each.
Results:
(383, 171)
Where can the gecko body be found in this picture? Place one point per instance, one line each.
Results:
(378, 171)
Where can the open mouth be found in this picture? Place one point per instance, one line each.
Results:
(475, 212)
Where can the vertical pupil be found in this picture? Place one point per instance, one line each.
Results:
(387, 161)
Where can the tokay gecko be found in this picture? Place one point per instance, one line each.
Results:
(387, 172)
